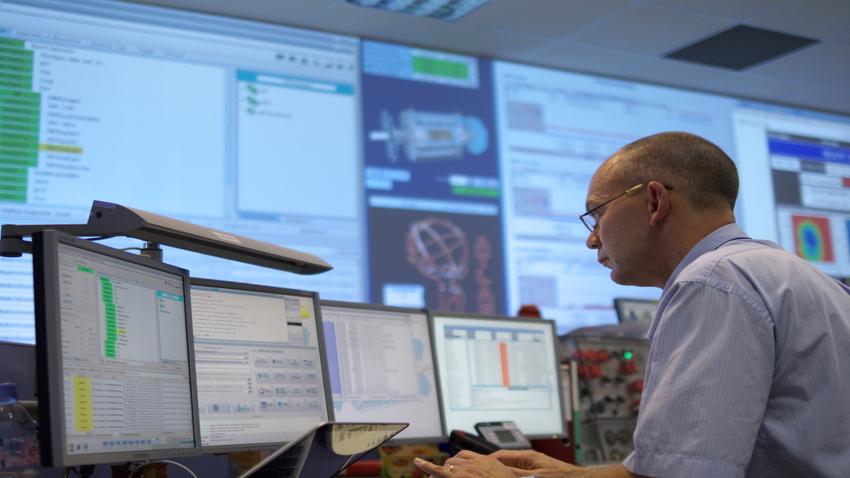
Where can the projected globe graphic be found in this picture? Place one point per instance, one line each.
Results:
(439, 250)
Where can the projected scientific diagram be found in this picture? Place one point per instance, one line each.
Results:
(812, 238)
(431, 136)
(444, 261)
(427, 124)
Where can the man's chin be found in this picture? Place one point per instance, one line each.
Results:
(622, 279)
(617, 279)
(627, 280)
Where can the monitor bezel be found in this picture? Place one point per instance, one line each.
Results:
(320, 338)
(619, 302)
(49, 360)
(435, 316)
(407, 310)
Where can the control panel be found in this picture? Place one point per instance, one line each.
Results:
(610, 374)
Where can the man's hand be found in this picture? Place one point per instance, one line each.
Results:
(514, 464)
(466, 464)
(533, 463)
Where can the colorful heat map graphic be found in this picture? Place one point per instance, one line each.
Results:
(812, 238)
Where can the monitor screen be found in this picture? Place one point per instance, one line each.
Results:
(114, 355)
(260, 371)
(381, 368)
(499, 369)
(635, 310)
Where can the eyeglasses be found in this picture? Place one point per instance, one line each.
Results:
(590, 219)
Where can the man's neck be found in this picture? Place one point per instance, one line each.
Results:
(681, 236)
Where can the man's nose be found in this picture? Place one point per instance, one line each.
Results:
(592, 241)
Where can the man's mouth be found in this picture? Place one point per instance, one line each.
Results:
(604, 261)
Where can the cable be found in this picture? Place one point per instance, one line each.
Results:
(170, 462)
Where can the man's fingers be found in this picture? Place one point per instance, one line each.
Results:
(516, 458)
(466, 454)
(429, 468)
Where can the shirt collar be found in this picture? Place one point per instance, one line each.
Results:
(713, 241)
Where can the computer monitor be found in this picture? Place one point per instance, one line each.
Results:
(381, 368)
(635, 310)
(260, 368)
(499, 369)
(114, 354)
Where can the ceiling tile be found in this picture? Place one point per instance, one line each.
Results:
(589, 59)
(543, 18)
(744, 85)
(821, 19)
(651, 31)
(377, 24)
(483, 41)
(736, 10)
(678, 73)
(826, 64)
(822, 99)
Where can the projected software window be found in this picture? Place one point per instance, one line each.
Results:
(432, 180)
(380, 368)
(124, 102)
(258, 366)
(124, 356)
(498, 370)
(799, 192)
(555, 128)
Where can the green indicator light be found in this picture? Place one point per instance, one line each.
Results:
(445, 68)
(478, 192)
(628, 355)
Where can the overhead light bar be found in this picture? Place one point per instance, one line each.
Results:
(440, 9)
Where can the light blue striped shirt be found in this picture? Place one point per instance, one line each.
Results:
(749, 368)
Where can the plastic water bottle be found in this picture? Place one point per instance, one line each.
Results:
(18, 438)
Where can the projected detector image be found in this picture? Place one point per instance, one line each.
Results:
(448, 262)
(812, 238)
(428, 124)
(420, 136)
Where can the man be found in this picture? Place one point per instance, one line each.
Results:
(748, 367)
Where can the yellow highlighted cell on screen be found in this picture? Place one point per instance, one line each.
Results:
(60, 148)
(83, 415)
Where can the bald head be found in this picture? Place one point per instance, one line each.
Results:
(696, 168)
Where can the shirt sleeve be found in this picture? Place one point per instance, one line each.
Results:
(707, 383)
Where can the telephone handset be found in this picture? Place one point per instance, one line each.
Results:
(493, 436)
(467, 441)
(503, 434)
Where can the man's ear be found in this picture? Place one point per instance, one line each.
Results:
(658, 204)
